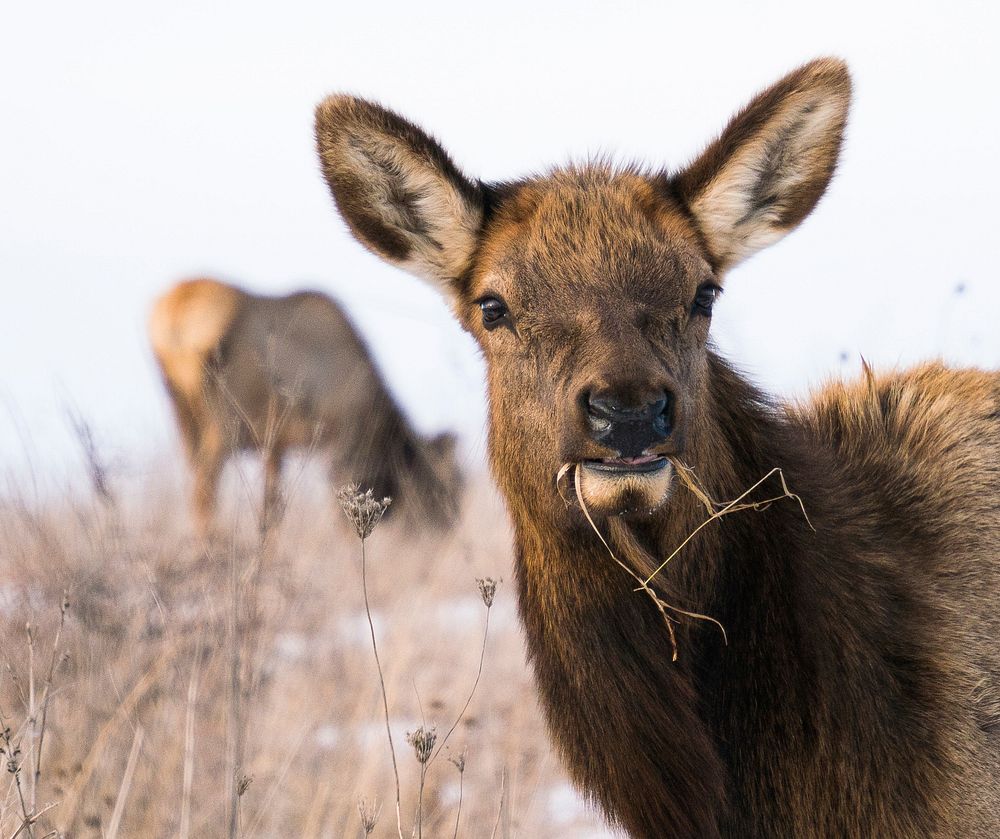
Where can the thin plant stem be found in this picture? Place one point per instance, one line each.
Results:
(461, 790)
(188, 778)
(234, 749)
(46, 693)
(12, 754)
(25, 825)
(119, 811)
(381, 679)
(503, 789)
(28, 817)
(420, 802)
(32, 713)
(479, 673)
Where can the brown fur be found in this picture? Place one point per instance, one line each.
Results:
(858, 693)
(272, 373)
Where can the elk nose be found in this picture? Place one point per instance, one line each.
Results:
(628, 426)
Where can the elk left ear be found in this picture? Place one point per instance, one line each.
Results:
(769, 168)
(397, 189)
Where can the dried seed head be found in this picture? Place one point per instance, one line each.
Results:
(459, 762)
(243, 783)
(369, 812)
(422, 740)
(11, 751)
(488, 589)
(13, 755)
(362, 509)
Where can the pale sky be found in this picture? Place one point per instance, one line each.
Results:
(143, 143)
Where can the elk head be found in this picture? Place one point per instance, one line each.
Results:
(589, 289)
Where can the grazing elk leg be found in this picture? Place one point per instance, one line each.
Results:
(207, 469)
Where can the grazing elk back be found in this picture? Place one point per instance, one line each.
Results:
(859, 691)
(246, 371)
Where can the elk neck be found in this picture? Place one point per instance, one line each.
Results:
(677, 747)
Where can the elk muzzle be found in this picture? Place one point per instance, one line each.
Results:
(629, 426)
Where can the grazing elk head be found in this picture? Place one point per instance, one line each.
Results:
(590, 289)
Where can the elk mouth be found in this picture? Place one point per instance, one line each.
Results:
(620, 485)
(644, 464)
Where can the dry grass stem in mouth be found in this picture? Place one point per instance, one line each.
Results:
(564, 470)
(716, 509)
(362, 509)
(661, 605)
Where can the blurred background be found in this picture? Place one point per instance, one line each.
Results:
(140, 145)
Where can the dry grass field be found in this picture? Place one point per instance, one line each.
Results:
(183, 670)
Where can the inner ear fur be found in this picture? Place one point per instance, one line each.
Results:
(399, 192)
(772, 163)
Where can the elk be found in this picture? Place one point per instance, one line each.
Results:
(246, 371)
(855, 692)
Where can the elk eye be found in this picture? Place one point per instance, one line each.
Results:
(494, 312)
(705, 298)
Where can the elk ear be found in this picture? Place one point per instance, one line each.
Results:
(766, 171)
(398, 190)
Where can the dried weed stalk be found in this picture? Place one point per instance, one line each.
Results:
(503, 796)
(37, 719)
(97, 467)
(369, 811)
(119, 810)
(487, 590)
(460, 766)
(184, 830)
(422, 740)
(365, 512)
(362, 509)
(11, 751)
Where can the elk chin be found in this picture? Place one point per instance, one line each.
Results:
(609, 489)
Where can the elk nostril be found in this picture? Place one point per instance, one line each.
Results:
(598, 415)
(605, 412)
(663, 414)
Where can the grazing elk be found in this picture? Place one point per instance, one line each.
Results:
(858, 692)
(245, 371)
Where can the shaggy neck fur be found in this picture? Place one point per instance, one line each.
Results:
(824, 700)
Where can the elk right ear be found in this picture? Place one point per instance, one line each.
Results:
(771, 165)
(398, 190)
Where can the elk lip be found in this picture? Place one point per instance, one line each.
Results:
(645, 464)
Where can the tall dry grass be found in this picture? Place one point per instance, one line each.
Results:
(230, 689)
